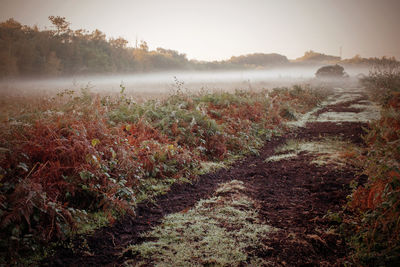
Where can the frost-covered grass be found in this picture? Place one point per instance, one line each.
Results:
(324, 151)
(220, 231)
(370, 113)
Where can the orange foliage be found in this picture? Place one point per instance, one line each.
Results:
(368, 198)
(140, 131)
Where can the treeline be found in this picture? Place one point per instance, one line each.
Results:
(29, 51)
(311, 58)
(357, 60)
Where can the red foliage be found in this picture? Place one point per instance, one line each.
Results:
(368, 198)
(76, 161)
(53, 154)
(394, 101)
(140, 131)
(216, 146)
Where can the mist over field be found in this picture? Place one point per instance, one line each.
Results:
(199, 133)
(161, 83)
(34, 61)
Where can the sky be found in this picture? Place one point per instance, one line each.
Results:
(218, 29)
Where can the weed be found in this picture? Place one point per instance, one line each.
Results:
(374, 230)
(77, 161)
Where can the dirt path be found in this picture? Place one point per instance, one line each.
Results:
(266, 210)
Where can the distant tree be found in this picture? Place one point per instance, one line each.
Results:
(10, 32)
(259, 59)
(331, 71)
(313, 57)
(118, 43)
(53, 64)
(97, 35)
(8, 65)
(26, 50)
(143, 46)
(371, 62)
(61, 25)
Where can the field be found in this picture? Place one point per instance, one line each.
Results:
(226, 178)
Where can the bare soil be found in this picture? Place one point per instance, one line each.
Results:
(293, 195)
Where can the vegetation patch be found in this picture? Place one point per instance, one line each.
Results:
(326, 151)
(210, 166)
(354, 109)
(302, 119)
(367, 115)
(68, 159)
(344, 97)
(281, 157)
(221, 231)
(372, 228)
(331, 71)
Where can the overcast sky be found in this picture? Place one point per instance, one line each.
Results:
(219, 29)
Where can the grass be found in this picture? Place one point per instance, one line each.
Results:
(367, 115)
(67, 159)
(325, 151)
(220, 231)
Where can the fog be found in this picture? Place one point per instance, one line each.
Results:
(150, 85)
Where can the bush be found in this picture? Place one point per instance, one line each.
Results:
(383, 84)
(331, 71)
(374, 229)
(80, 160)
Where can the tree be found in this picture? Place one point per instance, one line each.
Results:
(8, 65)
(118, 43)
(331, 71)
(53, 64)
(98, 35)
(311, 56)
(259, 59)
(62, 26)
(143, 45)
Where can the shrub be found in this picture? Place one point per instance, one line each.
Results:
(331, 71)
(65, 162)
(57, 169)
(374, 227)
(383, 84)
